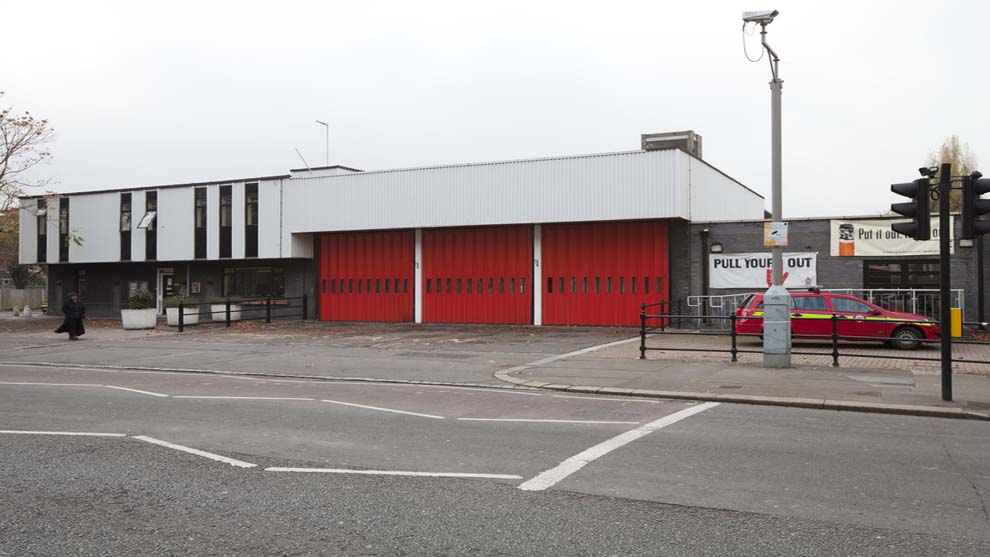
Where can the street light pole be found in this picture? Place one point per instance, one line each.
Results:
(776, 300)
(327, 126)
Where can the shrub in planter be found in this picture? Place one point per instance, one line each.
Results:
(190, 310)
(140, 312)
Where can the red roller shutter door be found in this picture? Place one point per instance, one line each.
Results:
(478, 275)
(367, 276)
(600, 273)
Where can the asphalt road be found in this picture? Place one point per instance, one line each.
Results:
(614, 476)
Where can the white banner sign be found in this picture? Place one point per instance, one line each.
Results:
(753, 270)
(875, 238)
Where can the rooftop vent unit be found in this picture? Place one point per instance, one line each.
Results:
(687, 141)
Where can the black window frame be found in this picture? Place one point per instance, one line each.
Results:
(63, 230)
(125, 225)
(226, 236)
(251, 203)
(151, 231)
(41, 214)
(200, 223)
(906, 276)
(234, 279)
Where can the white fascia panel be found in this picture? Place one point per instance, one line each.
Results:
(213, 222)
(175, 224)
(270, 219)
(716, 197)
(137, 234)
(237, 221)
(28, 232)
(95, 219)
(53, 237)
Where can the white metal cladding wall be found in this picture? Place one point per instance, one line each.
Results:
(53, 245)
(95, 218)
(621, 186)
(137, 234)
(714, 197)
(213, 222)
(28, 232)
(270, 220)
(175, 224)
(237, 221)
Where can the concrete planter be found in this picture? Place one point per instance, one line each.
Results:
(220, 312)
(190, 316)
(133, 319)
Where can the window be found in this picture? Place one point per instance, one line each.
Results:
(199, 208)
(254, 282)
(814, 303)
(905, 273)
(251, 220)
(63, 229)
(42, 240)
(549, 285)
(226, 240)
(845, 305)
(125, 227)
(149, 223)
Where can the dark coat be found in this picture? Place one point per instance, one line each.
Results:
(74, 312)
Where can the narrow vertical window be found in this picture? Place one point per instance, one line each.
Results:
(459, 282)
(226, 236)
(633, 279)
(429, 286)
(560, 283)
(646, 285)
(125, 227)
(63, 229)
(251, 220)
(622, 285)
(549, 285)
(659, 290)
(598, 285)
(522, 285)
(150, 225)
(199, 224)
(573, 285)
(42, 240)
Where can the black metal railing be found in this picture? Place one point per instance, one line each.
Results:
(266, 305)
(659, 320)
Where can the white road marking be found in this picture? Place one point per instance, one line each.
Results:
(51, 384)
(573, 464)
(242, 397)
(545, 421)
(135, 391)
(383, 409)
(502, 374)
(197, 452)
(609, 399)
(81, 434)
(396, 473)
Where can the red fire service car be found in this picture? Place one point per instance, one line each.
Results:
(811, 316)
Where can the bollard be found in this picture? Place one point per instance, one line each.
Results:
(835, 340)
(228, 312)
(182, 315)
(732, 334)
(642, 331)
(268, 310)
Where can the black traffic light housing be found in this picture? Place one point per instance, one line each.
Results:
(920, 227)
(974, 186)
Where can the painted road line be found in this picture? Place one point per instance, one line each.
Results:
(135, 391)
(545, 421)
(197, 452)
(383, 409)
(79, 433)
(396, 473)
(51, 384)
(609, 399)
(503, 374)
(241, 397)
(573, 464)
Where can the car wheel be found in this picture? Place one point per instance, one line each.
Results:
(907, 338)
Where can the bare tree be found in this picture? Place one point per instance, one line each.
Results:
(24, 142)
(962, 160)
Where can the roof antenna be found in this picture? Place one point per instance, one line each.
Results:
(303, 159)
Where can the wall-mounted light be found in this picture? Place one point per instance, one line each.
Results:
(716, 247)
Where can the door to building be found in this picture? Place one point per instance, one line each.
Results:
(366, 276)
(478, 275)
(165, 287)
(600, 273)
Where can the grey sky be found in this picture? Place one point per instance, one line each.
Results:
(145, 94)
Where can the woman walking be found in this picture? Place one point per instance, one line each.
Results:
(74, 312)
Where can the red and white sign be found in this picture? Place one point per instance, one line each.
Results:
(754, 270)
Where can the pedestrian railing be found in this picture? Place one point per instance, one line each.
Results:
(281, 306)
(657, 325)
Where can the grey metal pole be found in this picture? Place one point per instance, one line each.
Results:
(944, 187)
(775, 140)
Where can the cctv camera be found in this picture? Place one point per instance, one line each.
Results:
(763, 17)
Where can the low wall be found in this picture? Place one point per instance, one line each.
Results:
(20, 297)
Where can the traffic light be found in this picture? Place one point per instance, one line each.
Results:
(974, 186)
(920, 227)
